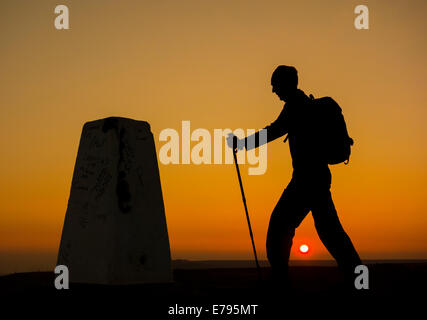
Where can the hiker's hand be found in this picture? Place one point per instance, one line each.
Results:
(235, 143)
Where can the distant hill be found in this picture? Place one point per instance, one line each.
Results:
(213, 264)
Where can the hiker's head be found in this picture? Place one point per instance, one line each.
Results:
(284, 82)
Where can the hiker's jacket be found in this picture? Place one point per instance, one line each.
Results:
(298, 120)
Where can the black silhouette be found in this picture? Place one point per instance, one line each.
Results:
(317, 137)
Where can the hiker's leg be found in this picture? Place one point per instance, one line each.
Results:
(332, 233)
(286, 216)
(279, 243)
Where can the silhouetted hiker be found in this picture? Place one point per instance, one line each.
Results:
(309, 189)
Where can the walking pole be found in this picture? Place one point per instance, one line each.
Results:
(246, 208)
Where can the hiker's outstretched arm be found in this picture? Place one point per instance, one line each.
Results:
(276, 129)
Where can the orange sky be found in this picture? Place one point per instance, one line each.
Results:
(210, 62)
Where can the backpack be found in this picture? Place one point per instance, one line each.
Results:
(336, 143)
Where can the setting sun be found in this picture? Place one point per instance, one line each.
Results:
(303, 248)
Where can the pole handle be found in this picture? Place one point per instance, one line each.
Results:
(235, 140)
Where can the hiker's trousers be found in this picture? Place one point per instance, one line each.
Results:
(308, 191)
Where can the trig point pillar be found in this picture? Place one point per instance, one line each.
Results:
(115, 227)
